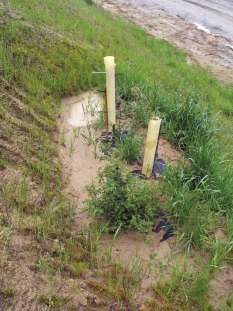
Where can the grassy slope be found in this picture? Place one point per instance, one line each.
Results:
(49, 49)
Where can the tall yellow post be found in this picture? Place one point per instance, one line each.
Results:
(110, 90)
(150, 146)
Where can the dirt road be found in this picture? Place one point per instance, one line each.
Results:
(214, 15)
(204, 31)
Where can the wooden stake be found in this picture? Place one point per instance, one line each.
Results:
(110, 90)
(150, 146)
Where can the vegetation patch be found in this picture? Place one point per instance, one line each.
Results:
(124, 201)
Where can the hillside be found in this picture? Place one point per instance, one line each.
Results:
(49, 50)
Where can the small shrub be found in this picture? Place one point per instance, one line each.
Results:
(123, 200)
(120, 283)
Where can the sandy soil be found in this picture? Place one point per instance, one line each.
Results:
(213, 52)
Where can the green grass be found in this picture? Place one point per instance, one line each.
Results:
(49, 49)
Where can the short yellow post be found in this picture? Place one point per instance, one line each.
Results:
(110, 90)
(150, 146)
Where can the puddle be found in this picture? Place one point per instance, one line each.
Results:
(78, 153)
(83, 110)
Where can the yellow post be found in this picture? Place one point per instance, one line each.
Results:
(110, 90)
(150, 146)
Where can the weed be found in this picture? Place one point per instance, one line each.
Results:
(44, 265)
(80, 252)
(57, 222)
(120, 283)
(187, 124)
(90, 138)
(221, 251)
(8, 292)
(192, 215)
(184, 291)
(53, 301)
(130, 148)
(100, 123)
(77, 269)
(15, 194)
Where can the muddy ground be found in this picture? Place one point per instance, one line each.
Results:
(212, 51)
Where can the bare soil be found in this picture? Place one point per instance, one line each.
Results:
(222, 286)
